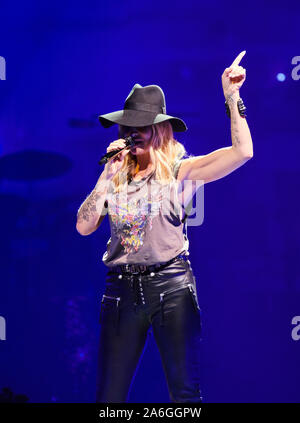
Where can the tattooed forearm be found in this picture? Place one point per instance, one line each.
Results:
(234, 131)
(240, 133)
(235, 135)
(88, 208)
(93, 207)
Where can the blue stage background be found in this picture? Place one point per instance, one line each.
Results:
(66, 63)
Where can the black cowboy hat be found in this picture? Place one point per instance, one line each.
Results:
(144, 106)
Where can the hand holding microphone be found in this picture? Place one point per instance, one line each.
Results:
(129, 141)
(116, 151)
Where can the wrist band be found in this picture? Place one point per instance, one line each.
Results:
(241, 107)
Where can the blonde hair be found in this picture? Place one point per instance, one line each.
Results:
(164, 151)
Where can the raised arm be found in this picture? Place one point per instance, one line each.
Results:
(223, 161)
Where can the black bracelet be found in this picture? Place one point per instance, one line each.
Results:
(241, 107)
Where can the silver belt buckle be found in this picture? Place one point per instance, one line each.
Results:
(134, 269)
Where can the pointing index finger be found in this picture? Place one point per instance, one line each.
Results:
(238, 58)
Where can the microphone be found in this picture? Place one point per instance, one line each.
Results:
(128, 141)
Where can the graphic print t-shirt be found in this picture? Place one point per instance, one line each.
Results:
(145, 223)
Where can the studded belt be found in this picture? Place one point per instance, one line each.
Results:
(144, 269)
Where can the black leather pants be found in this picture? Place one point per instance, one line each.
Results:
(166, 301)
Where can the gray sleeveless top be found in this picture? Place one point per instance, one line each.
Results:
(145, 223)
